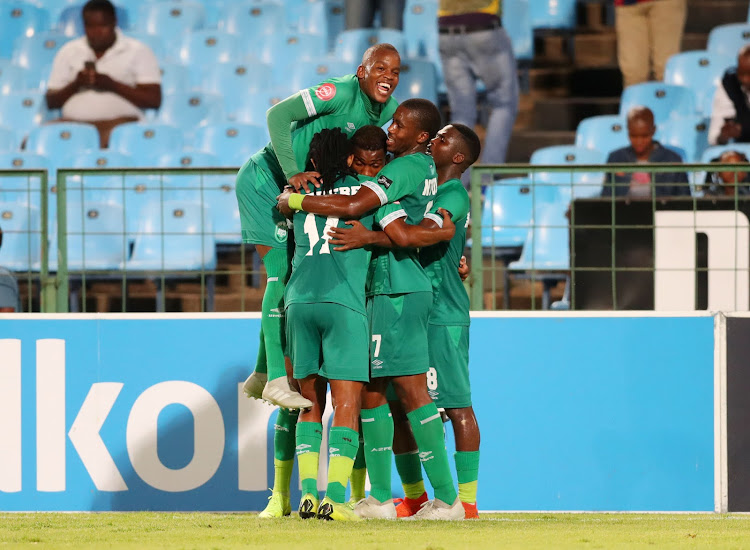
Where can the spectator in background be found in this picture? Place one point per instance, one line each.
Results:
(726, 183)
(644, 149)
(10, 298)
(474, 46)
(104, 78)
(360, 14)
(648, 33)
(730, 114)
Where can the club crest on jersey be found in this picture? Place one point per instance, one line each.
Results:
(280, 233)
(325, 92)
(384, 181)
(350, 127)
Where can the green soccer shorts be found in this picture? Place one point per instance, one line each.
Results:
(398, 329)
(448, 375)
(329, 340)
(261, 222)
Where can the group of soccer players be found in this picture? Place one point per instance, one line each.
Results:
(374, 306)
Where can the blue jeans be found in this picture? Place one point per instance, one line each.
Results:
(361, 13)
(486, 56)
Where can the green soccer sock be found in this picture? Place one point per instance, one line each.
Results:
(377, 428)
(309, 438)
(428, 433)
(260, 363)
(359, 474)
(410, 471)
(272, 311)
(342, 448)
(283, 449)
(467, 470)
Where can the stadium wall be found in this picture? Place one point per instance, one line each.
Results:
(578, 411)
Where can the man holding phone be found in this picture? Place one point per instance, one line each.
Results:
(730, 112)
(104, 78)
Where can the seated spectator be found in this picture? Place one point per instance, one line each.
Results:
(643, 149)
(104, 78)
(726, 183)
(730, 114)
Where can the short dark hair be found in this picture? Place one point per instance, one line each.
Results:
(426, 114)
(103, 6)
(330, 149)
(370, 138)
(372, 51)
(471, 140)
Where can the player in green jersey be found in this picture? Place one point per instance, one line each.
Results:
(400, 295)
(348, 103)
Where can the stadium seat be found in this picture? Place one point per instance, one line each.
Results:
(305, 75)
(282, 50)
(254, 20)
(728, 39)
(157, 46)
(55, 7)
(562, 187)
(604, 133)
(232, 81)
(230, 141)
(506, 216)
(420, 29)
(321, 17)
(37, 52)
(252, 107)
(22, 189)
(174, 78)
(205, 47)
(20, 19)
(418, 78)
(690, 134)
(8, 140)
(351, 44)
(70, 20)
(553, 14)
(21, 223)
(94, 187)
(96, 237)
(145, 142)
(21, 111)
(170, 18)
(665, 100)
(699, 70)
(188, 110)
(16, 79)
(64, 138)
(517, 23)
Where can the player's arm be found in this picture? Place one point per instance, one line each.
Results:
(430, 231)
(338, 206)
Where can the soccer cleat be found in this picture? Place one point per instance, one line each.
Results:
(308, 506)
(278, 392)
(278, 506)
(254, 385)
(410, 506)
(372, 508)
(439, 510)
(335, 511)
(470, 510)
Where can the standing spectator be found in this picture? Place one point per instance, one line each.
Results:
(648, 33)
(730, 114)
(104, 78)
(360, 14)
(474, 46)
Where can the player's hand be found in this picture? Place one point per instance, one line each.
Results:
(303, 179)
(349, 238)
(463, 269)
(282, 203)
(449, 228)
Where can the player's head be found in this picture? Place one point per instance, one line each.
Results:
(378, 73)
(369, 149)
(99, 22)
(415, 123)
(641, 128)
(331, 155)
(455, 145)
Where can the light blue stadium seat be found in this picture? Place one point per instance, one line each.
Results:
(94, 187)
(690, 134)
(188, 110)
(21, 224)
(64, 138)
(252, 107)
(96, 237)
(253, 21)
(517, 22)
(16, 79)
(553, 14)
(282, 50)
(420, 29)
(20, 19)
(145, 142)
(55, 7)
(22, 189)
(320, 17)
(22, 111)
(170, 18)
(418, 78)
(351, 44)
(9, 141)
(207, 47)
(665, 100)
(37, 52)
(157, 46)
(70, 20)
(174, 77)
(305, 75)
(506, 216)
(728, 39)
(604, 133)
(701, 71)
(230, 141)
(561, 187)
(233, 81)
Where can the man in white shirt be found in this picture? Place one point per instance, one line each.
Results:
(104, 78)
(730, 112)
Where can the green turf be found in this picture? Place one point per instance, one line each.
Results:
(199, 530)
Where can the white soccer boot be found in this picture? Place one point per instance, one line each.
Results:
(372, 508)
(439, 510)
(254, 385)
(278, 392)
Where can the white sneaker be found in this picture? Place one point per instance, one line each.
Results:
(280, 393)
(253, 386)
(372, 508)
(439, 510)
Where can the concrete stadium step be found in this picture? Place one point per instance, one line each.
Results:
(704, 15)
(564, 114)
(524, 142)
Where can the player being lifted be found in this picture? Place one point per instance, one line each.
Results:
(347, 103)
(399, 303)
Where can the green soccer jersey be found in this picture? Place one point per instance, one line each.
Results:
(335, 103)
(320, 274)
(450, 302)
(411, 182)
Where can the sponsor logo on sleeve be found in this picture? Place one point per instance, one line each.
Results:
(384, 181)
(326, 92)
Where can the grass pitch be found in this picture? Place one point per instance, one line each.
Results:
(200, 530)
